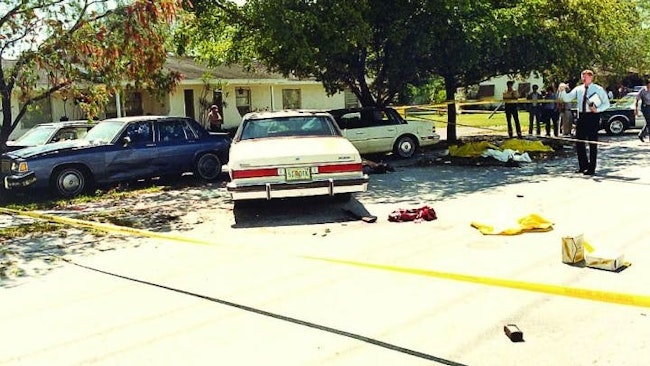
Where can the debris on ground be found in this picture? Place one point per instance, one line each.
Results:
(425, 213)
(505, 226)
(371, 167)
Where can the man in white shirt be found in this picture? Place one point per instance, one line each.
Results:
(592, 99)
(644, 97)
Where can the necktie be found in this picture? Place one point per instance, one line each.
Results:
(584, 99)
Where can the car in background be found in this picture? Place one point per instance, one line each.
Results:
(383, 130)
(620, 116)
(293, 154)
(118, 150)
(45, 133)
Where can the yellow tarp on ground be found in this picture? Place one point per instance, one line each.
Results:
(471, 149)
(529, 223)
(475, 149)
(524, 145)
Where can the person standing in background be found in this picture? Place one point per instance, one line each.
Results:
(592, 99)
(215, 120)
(510, 97)
(534, 110)
(644, 97)
(550, 111)
(566, 117)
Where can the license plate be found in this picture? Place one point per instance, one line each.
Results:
(6, 165)
(298, 173)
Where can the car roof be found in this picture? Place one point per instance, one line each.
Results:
(358, 109)
(284, 113)
(76, 123)
(140, 118)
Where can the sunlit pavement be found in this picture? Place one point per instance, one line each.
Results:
(268, 294)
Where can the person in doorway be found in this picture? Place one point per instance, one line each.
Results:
(592, 100)
(215, 120)
(510, 97)
(550, 112)
(534, 110)
(644, 98)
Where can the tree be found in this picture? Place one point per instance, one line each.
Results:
(376, 48)
(81, 49)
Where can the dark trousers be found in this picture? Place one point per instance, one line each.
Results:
(587, 129)
(548, 116)
(645, 109)
(511, 113)
(215, 128)
(534, 116)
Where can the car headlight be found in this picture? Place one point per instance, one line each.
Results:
(19, 166)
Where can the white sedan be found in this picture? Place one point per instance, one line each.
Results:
(293, 154)
(383, 130)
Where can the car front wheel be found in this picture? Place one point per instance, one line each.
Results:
(405, 147)
(208, 167)
(69, 182)
(615, 126)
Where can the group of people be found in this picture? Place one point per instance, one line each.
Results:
(543, 107)
(591, 98)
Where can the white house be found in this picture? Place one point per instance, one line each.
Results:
(235, 91)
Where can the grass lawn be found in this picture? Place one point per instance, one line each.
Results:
(487, 120)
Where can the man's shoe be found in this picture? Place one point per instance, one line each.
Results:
(589, 172)
(641, 138)
(579, 171)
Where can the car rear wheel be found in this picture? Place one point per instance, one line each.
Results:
(69, 182)
(208, 167)
(615, 126)
(405, 147)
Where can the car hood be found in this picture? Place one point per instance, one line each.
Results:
(291, 151)
(55, 147)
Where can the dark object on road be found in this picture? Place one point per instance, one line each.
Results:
(119, 150)
(513, 332)
(370, 167)
(413, 214)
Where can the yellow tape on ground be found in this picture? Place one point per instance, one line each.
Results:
(103, 226)
(581, 293)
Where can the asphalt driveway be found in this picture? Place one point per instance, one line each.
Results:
(271, 285)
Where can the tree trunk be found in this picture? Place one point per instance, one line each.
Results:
(450, 88)
(5, 128)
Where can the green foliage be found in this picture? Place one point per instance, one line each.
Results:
(380, 49)
(81, 49)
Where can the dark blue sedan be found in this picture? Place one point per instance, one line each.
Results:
(119, 150)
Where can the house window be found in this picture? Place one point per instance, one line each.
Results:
(243, 100)
(485, 91)
(290, 98)
(351, 100)
(39, 112)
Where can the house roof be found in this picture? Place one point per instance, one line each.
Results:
(191, 69)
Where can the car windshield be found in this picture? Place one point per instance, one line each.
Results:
(288, 126)
(104, 132)
(36, 136)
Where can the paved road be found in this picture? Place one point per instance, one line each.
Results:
(261, 293)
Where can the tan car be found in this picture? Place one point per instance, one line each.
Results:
(383, 130)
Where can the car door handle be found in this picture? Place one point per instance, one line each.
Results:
(150, 145)
(359, 132)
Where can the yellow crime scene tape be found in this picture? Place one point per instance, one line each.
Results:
(581, 293)
(576, 292)
(103, 226)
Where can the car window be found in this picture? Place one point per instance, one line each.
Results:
(383, 118)
(350, 120)
(288, 126)
(66, 134)
(105, 131)
(139, 132)
(172, 130)
(36, 136)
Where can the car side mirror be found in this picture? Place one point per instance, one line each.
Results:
(126, 141)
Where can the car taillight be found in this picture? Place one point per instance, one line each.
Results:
(254, 173)
(340, 168)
